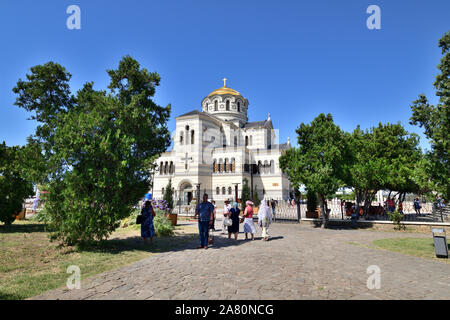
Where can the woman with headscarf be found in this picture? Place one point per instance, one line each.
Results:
(249, 226)
(234, 216)
(264, 219)
(147, 227)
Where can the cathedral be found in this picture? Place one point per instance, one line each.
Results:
(216, 149)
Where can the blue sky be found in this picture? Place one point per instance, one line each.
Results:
(294, 59)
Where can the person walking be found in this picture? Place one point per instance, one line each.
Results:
(417, 206)
(226, 211)
(249, 226)
(265, 219)
(204, 211)
(213, 224)
(234, 216)
(273, 204)
(147, 226)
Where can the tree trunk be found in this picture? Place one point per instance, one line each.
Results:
(323, 209)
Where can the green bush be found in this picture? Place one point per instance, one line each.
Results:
(396, 217)
(163, 226)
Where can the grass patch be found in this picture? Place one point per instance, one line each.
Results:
(418, 247)
(31, 264)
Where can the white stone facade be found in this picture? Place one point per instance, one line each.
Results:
(215, 147)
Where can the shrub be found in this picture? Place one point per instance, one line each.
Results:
(163, 226)
(396, 217)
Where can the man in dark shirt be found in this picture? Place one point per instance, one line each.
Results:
(205, 213)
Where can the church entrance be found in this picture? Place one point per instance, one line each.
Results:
(187, 197)
(186, 193)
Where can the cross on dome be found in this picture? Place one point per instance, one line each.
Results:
(224, 82)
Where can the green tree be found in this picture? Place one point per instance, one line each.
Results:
(97, 145)
(383, 157)
(246, 193)
(168, 195)
(256, 200)
(319, 162)
(14, 185)
(435, 119)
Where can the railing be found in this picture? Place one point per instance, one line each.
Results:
(428, 213)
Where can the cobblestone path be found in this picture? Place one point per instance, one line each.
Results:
(300, 262)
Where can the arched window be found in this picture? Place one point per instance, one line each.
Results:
(162, 190)
(171, 168)
(272, 166)
(239, 106)
(192, 136)
(235, 141)
(161, 168)
(217, 190)
(215, 166)
(246, 141)
(223, 190)
(230, 191)
(220, 165)
(216, 107)
(259, 167)
(226, 165)
(228, 105)
(233, 165)
(166, 168)
(224, 140)
(181, 137)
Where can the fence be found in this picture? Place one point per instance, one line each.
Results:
(286, 212)
(428, 213)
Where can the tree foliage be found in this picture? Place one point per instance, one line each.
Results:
(168, 195)
(15, 186)
(246, 193)
(320, 160)
(383, 157)
(435, 119)
(97, 145)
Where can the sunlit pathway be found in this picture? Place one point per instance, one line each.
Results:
(300, 262)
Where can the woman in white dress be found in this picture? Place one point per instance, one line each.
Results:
(264, 219)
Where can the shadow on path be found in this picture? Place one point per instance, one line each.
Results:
(23, 228)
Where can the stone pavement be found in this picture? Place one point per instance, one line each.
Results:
(300, 262)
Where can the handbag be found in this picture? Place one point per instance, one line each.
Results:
(139, 219)
(210, 239)
(228, 222)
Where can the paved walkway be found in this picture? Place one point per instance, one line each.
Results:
(300, 262)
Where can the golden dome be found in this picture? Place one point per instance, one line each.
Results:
(225, 90)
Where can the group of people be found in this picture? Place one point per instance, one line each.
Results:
(206, 212)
